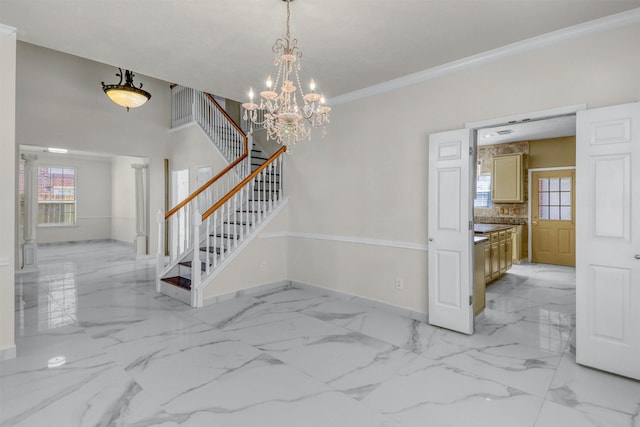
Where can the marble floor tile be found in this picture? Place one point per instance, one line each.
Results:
(554, 415)
(442, 395)
(343, 359)
(97, 346)
(400, 331)
(594, 392)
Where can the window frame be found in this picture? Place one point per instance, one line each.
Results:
(39, 202)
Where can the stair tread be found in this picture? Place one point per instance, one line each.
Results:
(211, 249)
(179, 281)
(203, 266)
(225, 235)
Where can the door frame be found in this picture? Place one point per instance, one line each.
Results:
(539, 115)
(529, 190)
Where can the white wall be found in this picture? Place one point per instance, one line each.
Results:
(60, 103)
(8, 163)
(368, 178)
(93, 199)
(123, 198)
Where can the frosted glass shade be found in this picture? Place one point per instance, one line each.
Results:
(125, 96)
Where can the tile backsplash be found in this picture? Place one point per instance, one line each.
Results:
(503, 213)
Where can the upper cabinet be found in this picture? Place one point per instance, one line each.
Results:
(507, 179)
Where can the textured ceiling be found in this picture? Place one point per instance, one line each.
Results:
(225, 46)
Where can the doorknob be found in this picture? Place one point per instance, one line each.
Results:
(637, 256)
(535, 223)
(431, 240)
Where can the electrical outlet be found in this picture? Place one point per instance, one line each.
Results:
(399, 284)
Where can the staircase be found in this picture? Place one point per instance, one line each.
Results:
(235, 203)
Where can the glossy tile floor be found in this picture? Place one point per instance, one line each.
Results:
(97, 347)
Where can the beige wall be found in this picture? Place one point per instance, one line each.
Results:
(8, 163)
(93, 199)
(368, 177)
(60, 103)
(262, 261)
(553, 152)
(189, 148)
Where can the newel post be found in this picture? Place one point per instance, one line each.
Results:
(160, 253)
(196, 264)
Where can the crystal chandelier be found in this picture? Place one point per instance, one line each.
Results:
(278, 112)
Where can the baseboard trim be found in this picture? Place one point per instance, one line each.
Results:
(79, 242)
(268, 287)
(401, 311)
(8, 353)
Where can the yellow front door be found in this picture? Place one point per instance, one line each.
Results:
(553, 235)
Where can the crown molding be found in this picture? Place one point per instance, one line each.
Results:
(576, 31)
(6, 30)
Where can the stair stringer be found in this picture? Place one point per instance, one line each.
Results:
(197, 295)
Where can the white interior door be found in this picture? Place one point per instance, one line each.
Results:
(608, 239)
(450, 231)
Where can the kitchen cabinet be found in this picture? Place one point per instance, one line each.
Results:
(507, 178)
(479, 298)
(498, 251)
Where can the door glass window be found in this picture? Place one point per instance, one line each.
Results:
(554, 199)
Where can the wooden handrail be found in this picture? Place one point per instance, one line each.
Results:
(244, 182)
(205, 186)
(235, 125)
(224, 171)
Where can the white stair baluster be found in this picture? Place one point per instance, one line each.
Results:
(235, 220)
(208, 240)
(215, 238)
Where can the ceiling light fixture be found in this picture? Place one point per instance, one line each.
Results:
(126, 95)
(283, 119)
(57, 150)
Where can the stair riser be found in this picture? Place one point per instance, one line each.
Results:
(175, 292)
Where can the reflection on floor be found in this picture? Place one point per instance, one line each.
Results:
(97, 347)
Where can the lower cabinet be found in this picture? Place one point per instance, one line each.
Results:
(479, 301)
(498, 254)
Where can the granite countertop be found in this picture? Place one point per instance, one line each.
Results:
(479, 239)
(489, 228)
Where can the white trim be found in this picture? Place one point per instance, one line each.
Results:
(6, 30)
(532, 116)
(349, 239)
(580, 30)
(529, 189)
(4, 262)
(259, 289)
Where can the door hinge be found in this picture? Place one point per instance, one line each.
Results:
(470, 225)
(471, 151)
(470, 299)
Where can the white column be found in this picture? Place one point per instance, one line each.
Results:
(29, 246)
(140, 242)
